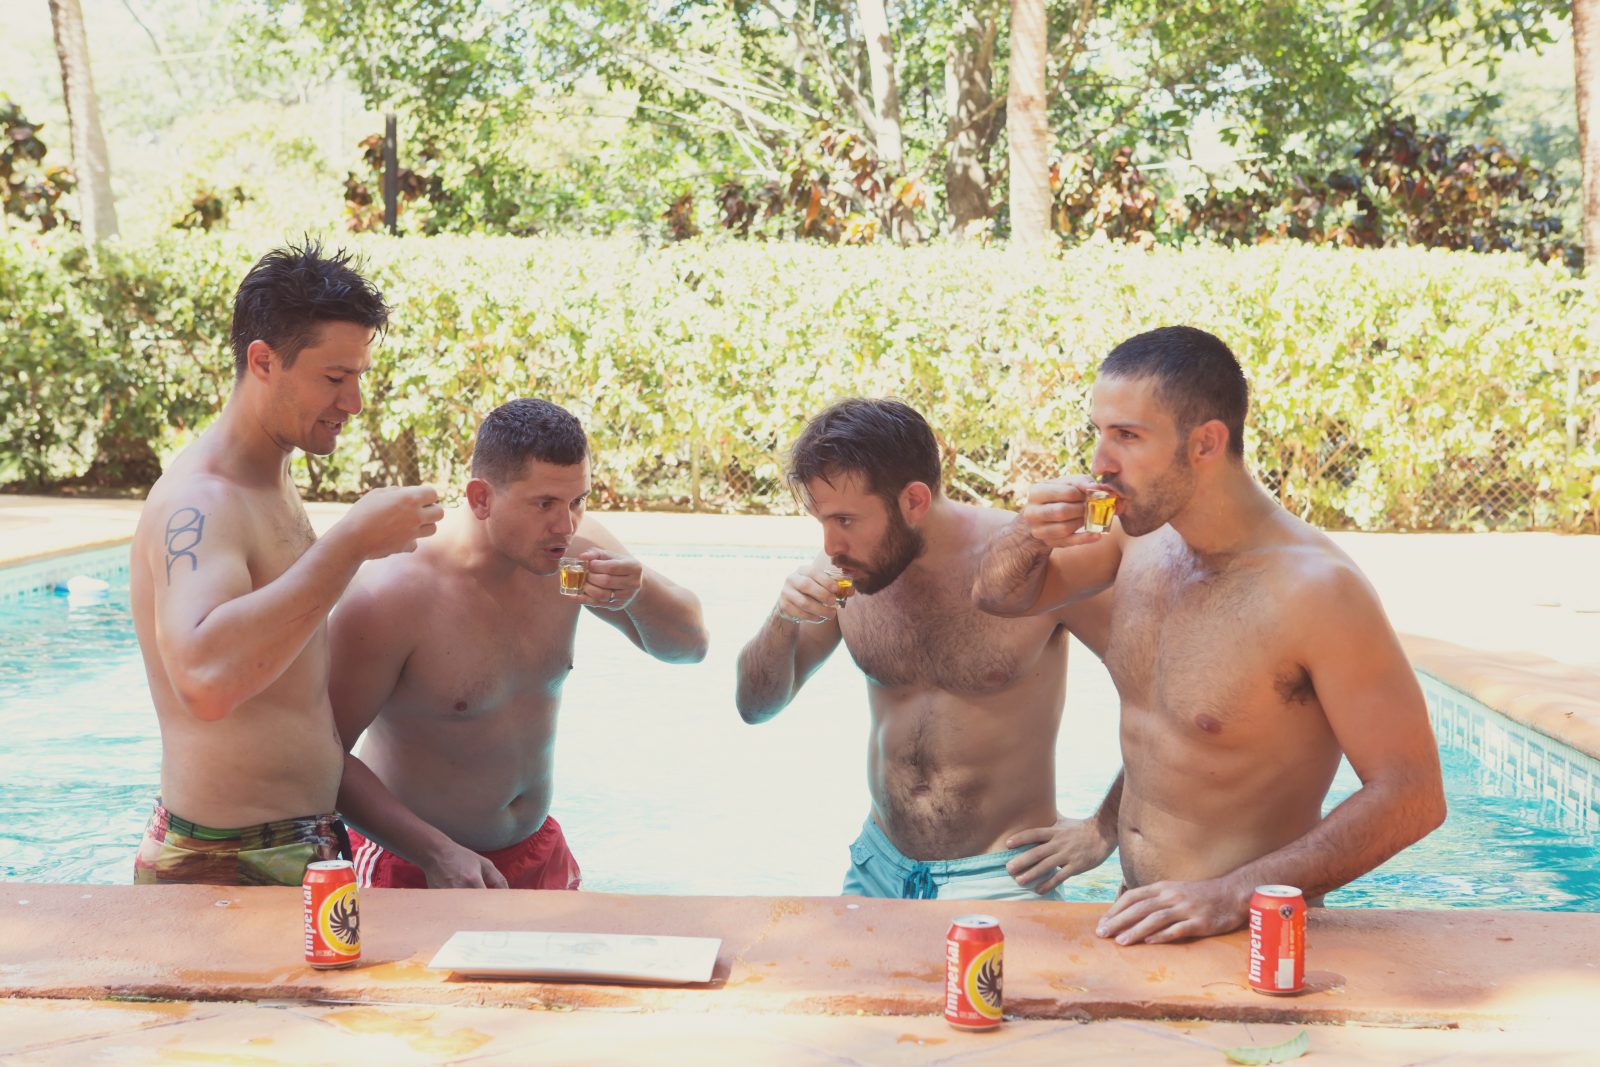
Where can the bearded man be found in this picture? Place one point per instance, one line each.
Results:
(965, 706)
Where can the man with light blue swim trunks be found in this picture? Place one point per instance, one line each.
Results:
(965, 706)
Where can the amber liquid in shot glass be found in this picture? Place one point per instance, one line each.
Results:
(844, 586)
(1097, 511)
(574, 572)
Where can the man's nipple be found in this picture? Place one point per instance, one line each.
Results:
(1208, 724)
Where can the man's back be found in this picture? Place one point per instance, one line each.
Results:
(275, 756)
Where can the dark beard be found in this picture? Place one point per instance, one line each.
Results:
(1161, 499)
(901, 547)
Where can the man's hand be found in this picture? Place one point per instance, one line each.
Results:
(1072, 845)
(1054, 511)
(807, 595)
(613, 580)
(462, 868)
(392, 519)
(1169, 911)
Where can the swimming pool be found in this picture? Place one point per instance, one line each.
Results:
(662, 789)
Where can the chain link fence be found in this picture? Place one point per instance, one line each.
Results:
(1485, 489)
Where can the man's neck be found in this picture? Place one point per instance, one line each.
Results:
(242, 448)
(1225, 517)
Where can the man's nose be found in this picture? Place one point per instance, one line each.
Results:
(1102, 466)
(350, 399)
(834, 545)
(569, 524)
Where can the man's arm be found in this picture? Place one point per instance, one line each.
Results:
(1375, 708)
(223, 642)
(660, 616)
(800, 632)
(369, 647)
(1042, 559)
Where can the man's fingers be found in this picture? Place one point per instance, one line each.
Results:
(1176, 932)
(494, 879)
(1029, 837)
(1055, 880)
(1154, 923)
(432, 513)
(427, 531)
(1127, 909)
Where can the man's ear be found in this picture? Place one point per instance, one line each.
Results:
(479, 494)
(1208, 441)
(259, 360)
(915, 500)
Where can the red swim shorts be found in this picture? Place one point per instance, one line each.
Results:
(543, 861)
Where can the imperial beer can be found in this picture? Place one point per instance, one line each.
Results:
(973, 951)
(1277, 940)
(333, 923)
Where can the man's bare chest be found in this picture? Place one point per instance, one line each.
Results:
(467, 663)
(942, 643)
(1207, 649)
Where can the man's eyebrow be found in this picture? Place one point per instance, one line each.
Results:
(349, 370)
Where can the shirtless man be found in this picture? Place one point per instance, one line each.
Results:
(965, 707)
(230, 589)
(452, 660)
(1248, 650)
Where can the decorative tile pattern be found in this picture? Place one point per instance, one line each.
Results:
(1519, 762)
(42, 576)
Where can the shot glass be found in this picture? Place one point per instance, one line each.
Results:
(843, 586)
(574, 572)
(1097, 511)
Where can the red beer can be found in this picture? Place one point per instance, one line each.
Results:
(1277, 940)
(333, 922)
(973, 952)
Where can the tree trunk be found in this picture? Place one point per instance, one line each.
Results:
(89, 157)
(1026, 128)
(885, 97)
(967, 94)
(1586, 56)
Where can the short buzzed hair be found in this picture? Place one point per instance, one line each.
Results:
(522, 430)
(1197, 377)
(290, 292)
(887, 442)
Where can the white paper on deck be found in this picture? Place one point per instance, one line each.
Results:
(579, 957)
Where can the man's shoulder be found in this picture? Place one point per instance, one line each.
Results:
(192, 500)
(1310, 571)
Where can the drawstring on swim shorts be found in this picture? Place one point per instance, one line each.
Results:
(919, 884)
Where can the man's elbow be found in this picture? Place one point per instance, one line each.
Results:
(206, 699)
(755, 707)
(990, 604)
(695, 649)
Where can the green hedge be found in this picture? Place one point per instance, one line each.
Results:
(1397, 389)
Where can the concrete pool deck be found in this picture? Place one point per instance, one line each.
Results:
(1504, 617)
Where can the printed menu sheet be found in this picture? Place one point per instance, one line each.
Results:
(579, 957)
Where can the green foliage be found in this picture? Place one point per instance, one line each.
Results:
(128, 346)
(29, 190)
(1403, 389)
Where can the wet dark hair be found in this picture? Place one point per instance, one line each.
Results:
(522, 430)
(1197, 377)
(885, 441)
(292, 290)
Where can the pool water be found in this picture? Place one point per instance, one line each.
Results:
(663, 789)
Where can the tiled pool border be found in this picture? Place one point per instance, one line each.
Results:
(1528, 764)
(37, 576)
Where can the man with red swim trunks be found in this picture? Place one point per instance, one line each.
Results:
(452, 662)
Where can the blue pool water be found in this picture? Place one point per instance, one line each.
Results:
(663, 789)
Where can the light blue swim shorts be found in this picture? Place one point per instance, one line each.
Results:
(878, 869)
